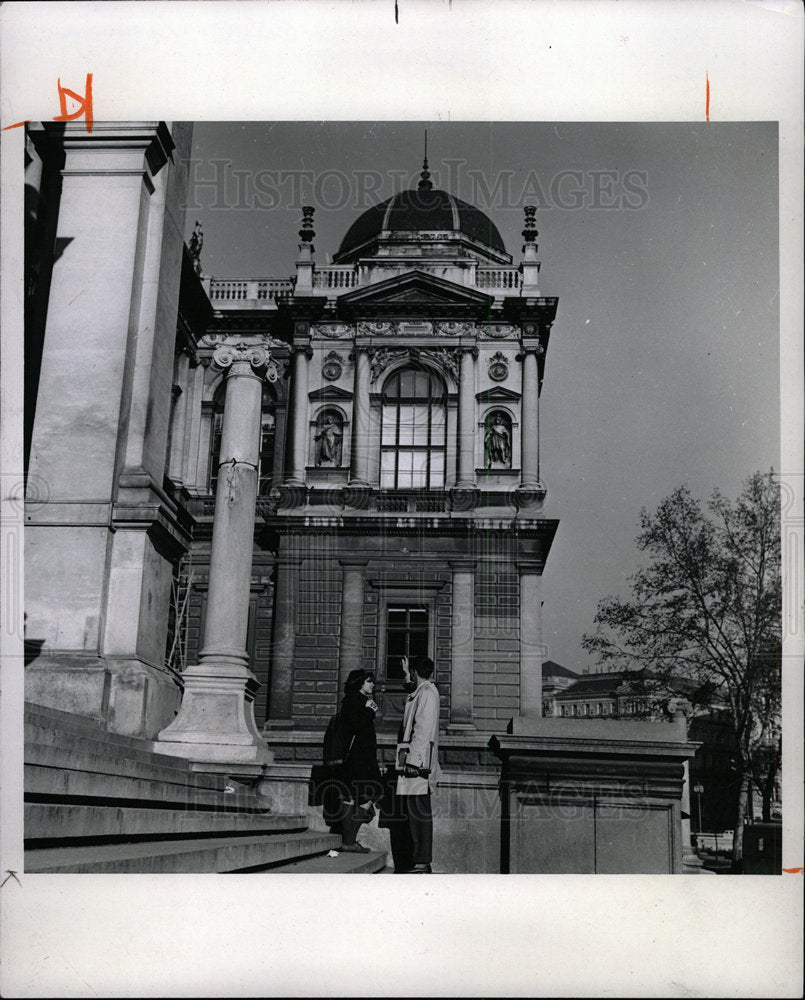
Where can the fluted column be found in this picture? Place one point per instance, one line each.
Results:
(466, 420)
(529, 428)
(359, 472)
(463, 646)
(532, 652)
(216, 719)
(302, 356)
(349, 656)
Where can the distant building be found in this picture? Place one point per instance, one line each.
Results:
(624, 694)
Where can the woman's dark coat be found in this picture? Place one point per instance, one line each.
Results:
(360, 764)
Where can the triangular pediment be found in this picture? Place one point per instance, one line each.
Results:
(497, 395)
(412, 288)
(329, 392)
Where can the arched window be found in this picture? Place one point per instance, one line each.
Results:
(266, 456)
(412, 452)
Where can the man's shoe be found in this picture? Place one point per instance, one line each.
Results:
(421, 870)
(354, 848)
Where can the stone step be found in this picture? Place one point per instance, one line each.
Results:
(53, 718)
(95, 741)
(45, 821)
(343, 864)
(54, 775)
(221, 854)
(37, 735)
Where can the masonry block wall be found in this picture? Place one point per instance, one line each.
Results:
(496, 681)
(315, 669)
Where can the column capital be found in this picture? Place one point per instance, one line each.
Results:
(529, 345)
(301, 347)
(471, 349)
(353, 562)
(240, 359)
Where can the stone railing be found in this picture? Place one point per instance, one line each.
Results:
(265, 290)
(335, 277)
(403, 503)
(497, 277)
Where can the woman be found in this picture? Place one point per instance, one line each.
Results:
(361, 772)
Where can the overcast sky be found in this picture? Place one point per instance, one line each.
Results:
(662, 367)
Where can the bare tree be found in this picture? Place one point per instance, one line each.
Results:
(708, 606)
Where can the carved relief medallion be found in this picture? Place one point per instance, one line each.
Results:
(332, 366)
(498, 367)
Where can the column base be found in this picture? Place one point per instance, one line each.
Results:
(290, 494)
(216, 723)
(356, 494)
(529, 496)
(465, 496)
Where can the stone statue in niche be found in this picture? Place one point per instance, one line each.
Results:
(498, 441)
(328, 436)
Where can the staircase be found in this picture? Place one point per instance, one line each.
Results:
(103, 803)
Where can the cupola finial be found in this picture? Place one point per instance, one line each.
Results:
(425, 183)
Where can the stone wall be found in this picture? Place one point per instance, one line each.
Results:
(496, 682)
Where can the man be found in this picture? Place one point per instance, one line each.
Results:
(420, 774)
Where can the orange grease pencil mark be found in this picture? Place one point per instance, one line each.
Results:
(80, 293)
(84, 104)
(792, 871)
(707, 101)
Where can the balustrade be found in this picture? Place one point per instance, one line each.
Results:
(497, 277)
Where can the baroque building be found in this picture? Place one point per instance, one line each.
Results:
(398, 507)
(241, 489)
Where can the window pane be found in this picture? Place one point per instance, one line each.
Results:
(407, 383)
(387, 480)
(387, 461)
(392, 387)
(422, 385)
(406, 461)
(437, 462)
(389, 424)
(437, 415)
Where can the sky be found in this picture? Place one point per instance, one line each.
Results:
(661, 243)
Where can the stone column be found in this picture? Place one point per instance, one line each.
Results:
(466, 420)
(360, 420)
(286, 587)
(680, 710)
(463, 646)
(349, 656)
(532, 652)
(302, 356)
(216, 723)
(529, 426)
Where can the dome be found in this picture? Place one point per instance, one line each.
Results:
(424, 209)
